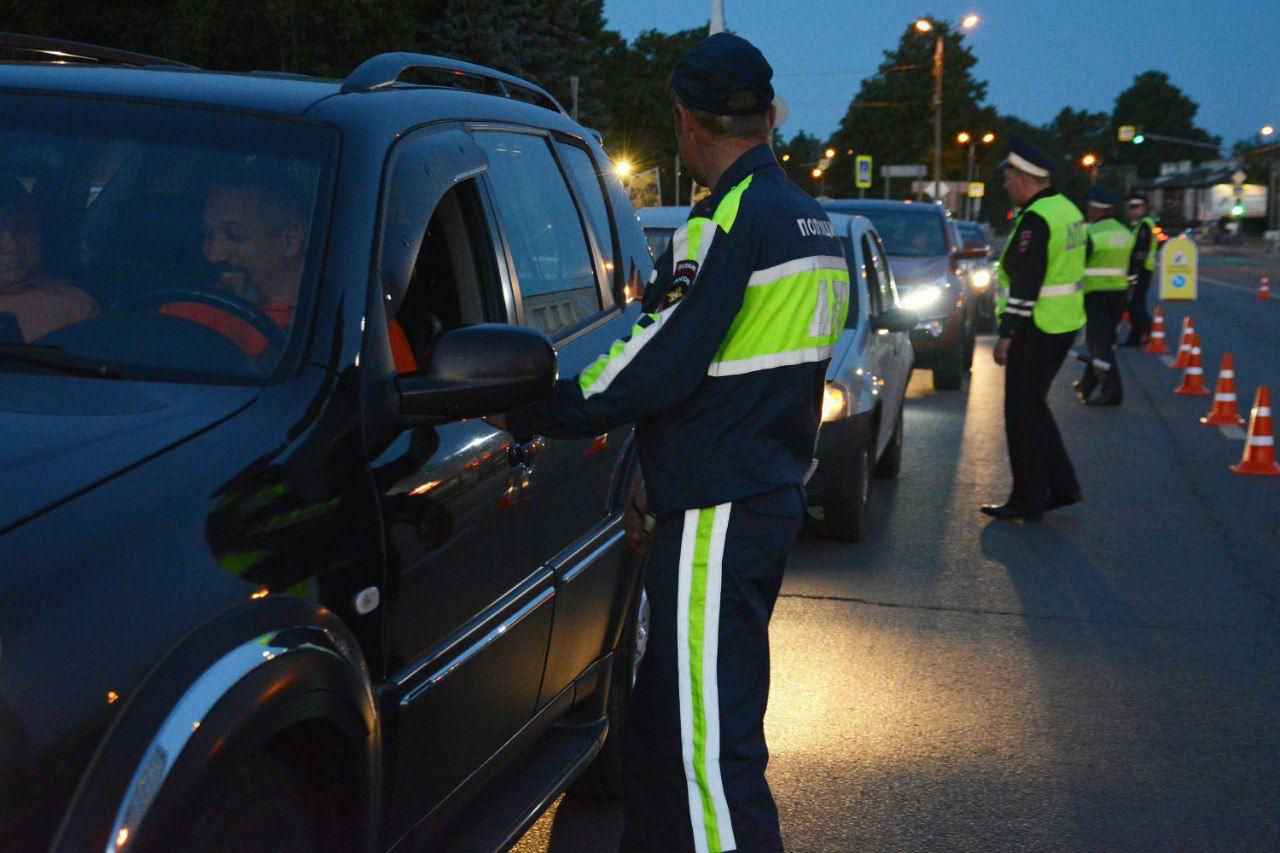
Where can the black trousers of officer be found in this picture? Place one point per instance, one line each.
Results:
(1037, 455)
(1103, 310)
(694, 751)
(1139, 317)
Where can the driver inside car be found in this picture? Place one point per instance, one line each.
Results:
(255, 238)
(37, 303)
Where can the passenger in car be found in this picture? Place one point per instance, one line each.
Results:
(39, 304)
(255, 237)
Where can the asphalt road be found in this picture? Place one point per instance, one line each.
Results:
(1109, 678)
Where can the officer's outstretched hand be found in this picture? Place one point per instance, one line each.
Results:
(636, 520)
(1001, 352)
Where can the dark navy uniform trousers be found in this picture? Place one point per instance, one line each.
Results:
(695, 751)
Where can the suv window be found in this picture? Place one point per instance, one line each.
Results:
(163, 241)
(554, 275)
(586, 181)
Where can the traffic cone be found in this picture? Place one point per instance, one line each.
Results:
(1264, 290)
(1224, 411)
(1193, 377)
(1184, 346)
(1259, 448)
(1156, 345)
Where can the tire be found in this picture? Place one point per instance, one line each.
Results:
(257, 806)
(949, 375)
(603, 779)
(889, 464)
(845, 510)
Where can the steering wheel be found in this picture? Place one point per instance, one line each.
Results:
(241, 309)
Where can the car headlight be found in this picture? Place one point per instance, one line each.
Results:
(981, 279)
(920, 298)
(835, 403)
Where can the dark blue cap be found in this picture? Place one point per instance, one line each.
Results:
(711, 76)
(1103, 197)
(1025, 157)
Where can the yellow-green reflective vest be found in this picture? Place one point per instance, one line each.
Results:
(1150, 263)
(1110, 245)
(1060, 305)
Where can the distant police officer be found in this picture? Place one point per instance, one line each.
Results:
(1040, 301)
(722, 376)
(1141, 265)
(1106, 292)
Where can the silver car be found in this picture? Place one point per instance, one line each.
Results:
(862, 408)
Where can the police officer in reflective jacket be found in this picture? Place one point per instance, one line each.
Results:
(1040, 302)
(722, 376)
(1141, 264)
(1106, 293)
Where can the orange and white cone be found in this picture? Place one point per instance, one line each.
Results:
(1184, 346)
(1264, 290)
(1224, 411)
(1259, 448)
(1156, 345)
(1193, 376)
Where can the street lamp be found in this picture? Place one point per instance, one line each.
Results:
(964, 137)
(1267, 130)
(816, 173)
(830, 152)
(622, 168)
(1090, 162)
(786, 157)
(924, 25)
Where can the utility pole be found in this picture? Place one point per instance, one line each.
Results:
(573, 94)
(937, 118)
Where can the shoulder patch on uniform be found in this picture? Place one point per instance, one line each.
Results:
(1024, 240)
(686, 272)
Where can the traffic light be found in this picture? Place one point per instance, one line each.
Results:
(1139, 139)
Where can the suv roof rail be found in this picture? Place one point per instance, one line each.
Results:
(384, 70)
(62, 49)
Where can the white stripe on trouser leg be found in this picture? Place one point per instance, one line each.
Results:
(711, 646)
(709, 699)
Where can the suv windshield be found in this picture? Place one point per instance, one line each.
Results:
(912, 233)
(161, 242)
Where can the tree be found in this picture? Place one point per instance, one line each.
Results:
(1155, 105)
(891, 116)
(798, 158)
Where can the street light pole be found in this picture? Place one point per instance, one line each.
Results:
(937, 118)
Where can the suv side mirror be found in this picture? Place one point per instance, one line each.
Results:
(477, 371)
(971, 252)
(895, 319)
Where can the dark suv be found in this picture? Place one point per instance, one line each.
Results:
(268, 582)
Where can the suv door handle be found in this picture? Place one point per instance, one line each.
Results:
(523, 455)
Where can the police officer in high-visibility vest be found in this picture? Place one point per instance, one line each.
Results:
(1141, 265)
(1040, 301)
(1106, 292)
(723, 377)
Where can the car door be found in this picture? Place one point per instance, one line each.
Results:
(561, 244)
(471, 599)
(889, 355)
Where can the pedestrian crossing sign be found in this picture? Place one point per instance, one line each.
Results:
(977, 189)
(863, 176)
(1178, 269)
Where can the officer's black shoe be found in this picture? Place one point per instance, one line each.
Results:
(1010, 512)
(1059, 502)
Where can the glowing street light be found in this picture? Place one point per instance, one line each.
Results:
(988, 138)
(1267, 130)
(924, 25)
(786, 157)
(1089, 161)
(963, 137)
(970, 21)
(622, 168)
(830, 152)
(816, 173)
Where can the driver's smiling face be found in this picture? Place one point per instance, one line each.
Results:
(252, 257)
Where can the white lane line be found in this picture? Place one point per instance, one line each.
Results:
(1234, 433)
(1230, 285)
